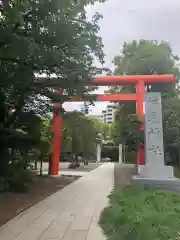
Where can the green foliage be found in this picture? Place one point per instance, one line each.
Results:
(19, 179)
(171, 121)
(102, 129)
(16, 175)
(79, 133)
(146, 57)
(45, 139)
(139, 213)
(4, 185)
(126, 130)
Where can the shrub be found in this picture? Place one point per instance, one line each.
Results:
(4, 185)
(137, 213)
(16, 177)
(20, 180)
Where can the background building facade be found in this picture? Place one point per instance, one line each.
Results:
(108, 114)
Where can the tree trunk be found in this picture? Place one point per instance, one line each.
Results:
(41, 166)
(35, 165)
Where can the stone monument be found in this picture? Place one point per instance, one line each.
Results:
(154, 167)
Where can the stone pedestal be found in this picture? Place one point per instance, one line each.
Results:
(154, 167)
(156, 172)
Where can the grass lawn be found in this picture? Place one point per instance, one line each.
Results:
(137, 213)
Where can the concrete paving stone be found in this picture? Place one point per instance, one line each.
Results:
(75, 235)
(88, 210)
(81, 223)
(35, 230)
(75, 206)
(18, 224)
(100, 206)
(96, 216)
(95, 233)
(59, 226)
(53, 234)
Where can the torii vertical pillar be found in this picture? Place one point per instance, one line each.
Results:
(56, 141)
(140, 89)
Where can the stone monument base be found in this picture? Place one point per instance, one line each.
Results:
(170, 184)
(157, 176)
(156, 172)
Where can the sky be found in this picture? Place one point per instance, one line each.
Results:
(127, 20)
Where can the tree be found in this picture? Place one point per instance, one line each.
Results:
(148, 57)
(126, 130)
(79, 132)
(44, 147)
(171, 127)
(103, 128)
(45, 46)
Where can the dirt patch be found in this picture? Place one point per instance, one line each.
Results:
(123, 173)
(11, 204)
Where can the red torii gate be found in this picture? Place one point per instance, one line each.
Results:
(138, 80)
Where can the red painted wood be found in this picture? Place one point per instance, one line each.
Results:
(56, 129)
(131, 79)
(117, 97)
(56, 145)
(140, 90)
(106, 97)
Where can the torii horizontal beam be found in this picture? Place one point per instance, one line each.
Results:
(105, 97)
(131, 79)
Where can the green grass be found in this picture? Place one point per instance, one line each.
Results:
(137, 213)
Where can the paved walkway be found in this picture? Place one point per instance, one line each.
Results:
(69, 214)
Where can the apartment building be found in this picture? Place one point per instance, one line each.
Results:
(107, 115)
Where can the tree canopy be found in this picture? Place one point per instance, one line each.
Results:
(81, 133)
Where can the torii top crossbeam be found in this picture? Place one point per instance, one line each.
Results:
(131, 79)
